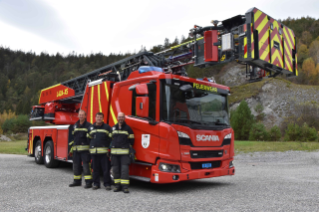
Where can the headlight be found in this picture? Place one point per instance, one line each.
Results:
(231, 165)
(228, 136)
(184, 139)
(182, 135)
(227, 139)
(169, 167)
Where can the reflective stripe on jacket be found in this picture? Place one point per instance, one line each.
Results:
(99, 150)
(100, 138)
(122, 138)
(80, 133)
(80, 147)
(119, 151)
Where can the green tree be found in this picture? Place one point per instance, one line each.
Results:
(274, 133)
(175, 42)
(26, 107)
(308, 133)
(3, 84)
(303, 53)
(314, 51)
(259, 110)
(241, 121)
(19, 108)
(292, 132)
(183, 39)
(258, 132)
(306, 38)
(166, 43)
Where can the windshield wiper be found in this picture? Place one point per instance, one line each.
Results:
(186, 121)
(195, 122)
(220, 123)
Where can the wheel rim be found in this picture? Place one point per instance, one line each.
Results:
(37, 152)
(48, 155)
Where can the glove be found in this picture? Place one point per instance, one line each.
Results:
(71, 150)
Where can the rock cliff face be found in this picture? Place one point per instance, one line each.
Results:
(279, 97)
(4, 138)
(234, 76)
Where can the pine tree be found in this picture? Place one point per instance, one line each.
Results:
(166, 43)
(26, 108)
(242, 121)
(176, 42)
(19, 109)
(183, 39)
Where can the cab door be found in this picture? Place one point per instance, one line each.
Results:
(144, 122)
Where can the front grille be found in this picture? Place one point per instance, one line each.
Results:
(198, 165)
(206, 154)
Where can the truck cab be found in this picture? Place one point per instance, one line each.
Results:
(181, 125)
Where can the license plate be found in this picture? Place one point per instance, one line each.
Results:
(206, 165)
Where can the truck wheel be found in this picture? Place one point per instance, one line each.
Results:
(38, 153)
(49, 156)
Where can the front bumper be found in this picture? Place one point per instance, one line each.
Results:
(161, 177)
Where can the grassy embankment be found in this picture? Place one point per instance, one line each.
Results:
(259, 146)
(13, 147)
(17, 147)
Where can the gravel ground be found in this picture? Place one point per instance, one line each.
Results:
(286, 181)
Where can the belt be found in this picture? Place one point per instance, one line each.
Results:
(120, 151)
(81, 147)
(99, 150)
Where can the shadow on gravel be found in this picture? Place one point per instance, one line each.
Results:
(187, 186)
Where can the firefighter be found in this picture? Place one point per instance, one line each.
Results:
(123, 139)
(100, 135)
(81, 152)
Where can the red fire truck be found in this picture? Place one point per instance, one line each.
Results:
(181, 125)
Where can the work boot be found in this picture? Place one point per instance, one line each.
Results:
(88, 186)
(125, 190)
(116, 189)
(108, 188)
(95, 187)
(75, 184)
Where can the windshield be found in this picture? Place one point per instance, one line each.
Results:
(188, 104)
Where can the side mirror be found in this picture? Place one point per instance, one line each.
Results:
(142, 106)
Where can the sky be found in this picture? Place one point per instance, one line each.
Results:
(93, 26)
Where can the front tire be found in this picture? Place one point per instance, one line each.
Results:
(38, 153)
(48, 154)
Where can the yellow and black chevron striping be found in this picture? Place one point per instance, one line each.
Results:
(251, 41)
(267, 43)
(261, 24)
(276, 43)
(296, 62)
(289, 46)
(245, 42)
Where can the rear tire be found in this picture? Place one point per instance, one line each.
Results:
(38, 153)
(48, 154)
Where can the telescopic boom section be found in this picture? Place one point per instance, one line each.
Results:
(264, 45)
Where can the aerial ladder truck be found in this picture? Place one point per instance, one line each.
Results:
(181, 125)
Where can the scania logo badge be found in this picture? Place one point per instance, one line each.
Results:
(207, 138)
